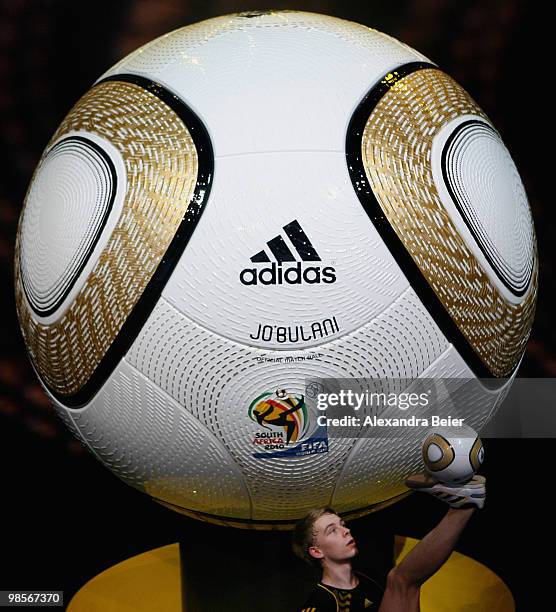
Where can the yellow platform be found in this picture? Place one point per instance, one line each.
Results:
(151, 582)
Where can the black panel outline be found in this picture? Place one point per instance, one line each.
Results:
(396, 247)
(70, 283)
(490, 259)
(151, 294)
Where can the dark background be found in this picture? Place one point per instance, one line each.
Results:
(64, 517)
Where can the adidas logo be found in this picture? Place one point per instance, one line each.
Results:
(276, 273)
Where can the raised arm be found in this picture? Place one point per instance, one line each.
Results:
(434, 549)
(405, 580)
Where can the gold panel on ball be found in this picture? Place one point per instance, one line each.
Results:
(161, 164)
(396, 150)
(446, 457)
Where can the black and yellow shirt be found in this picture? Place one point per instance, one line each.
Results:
(365, 597)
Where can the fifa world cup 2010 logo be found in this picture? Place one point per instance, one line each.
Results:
(281, 410)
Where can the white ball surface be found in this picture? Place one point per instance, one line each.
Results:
(279, 207)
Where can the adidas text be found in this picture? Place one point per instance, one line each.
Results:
(293, 275)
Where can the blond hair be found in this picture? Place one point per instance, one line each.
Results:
(304, 534)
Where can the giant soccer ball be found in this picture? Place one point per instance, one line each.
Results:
(249, 203)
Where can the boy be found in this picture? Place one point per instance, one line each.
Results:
(323, 539)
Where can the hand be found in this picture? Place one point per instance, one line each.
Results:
(471, 493)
